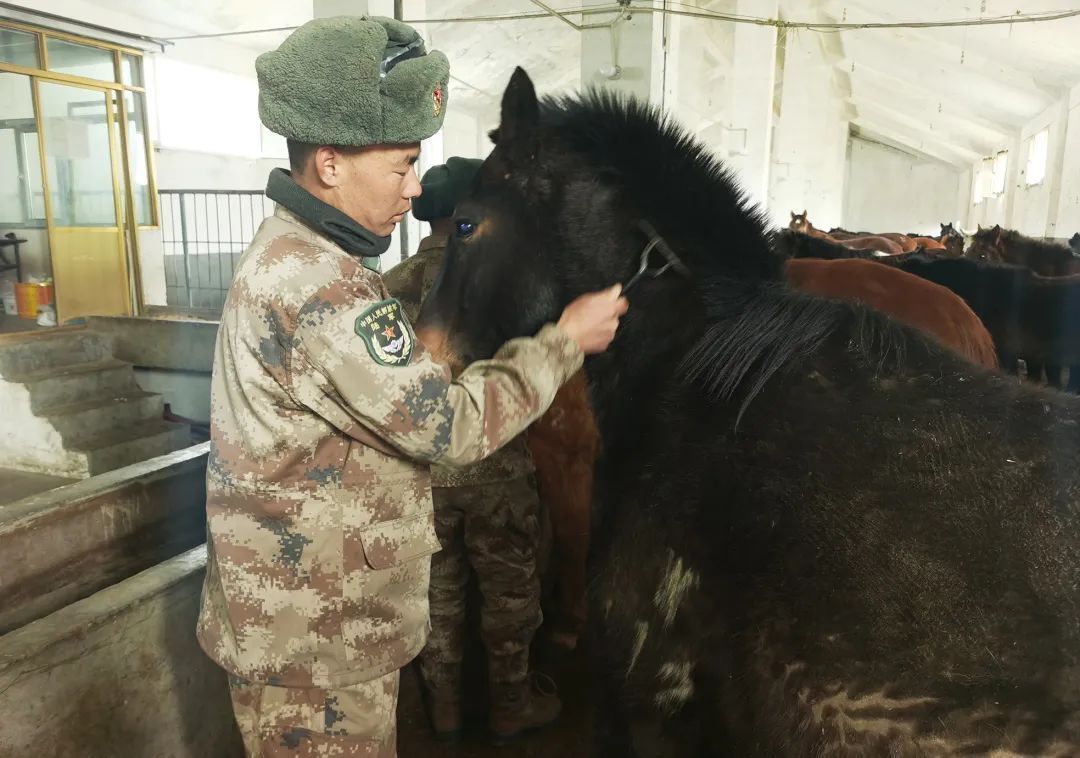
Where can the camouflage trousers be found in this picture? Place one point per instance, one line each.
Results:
(303, 723)
(494, 530)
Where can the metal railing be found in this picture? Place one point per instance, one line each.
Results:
(204, 232)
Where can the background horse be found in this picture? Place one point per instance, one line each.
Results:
(928, 307)
(952, 240)
(1008, 246)
(1030, 317)
(817, 532)
(800, 223)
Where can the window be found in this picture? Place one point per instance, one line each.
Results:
(131, 70)
(22, 194)
(1036, 163)
(984, 181)
(999, 172)
(19, 48)
(135, 103)
(976, 187)
(80, 60)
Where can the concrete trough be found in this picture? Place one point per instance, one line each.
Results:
(66, 544)
(118, 673)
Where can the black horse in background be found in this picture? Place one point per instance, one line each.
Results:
(816, 532)
(1031, 317)
(1036, 318)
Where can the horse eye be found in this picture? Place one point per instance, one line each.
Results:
(465, 228)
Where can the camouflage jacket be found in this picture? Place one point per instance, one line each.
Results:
(325, 416)
(409, 282)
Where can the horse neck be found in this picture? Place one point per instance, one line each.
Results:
(664, 322)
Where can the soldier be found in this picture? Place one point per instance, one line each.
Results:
(326, 412)
(487, 518)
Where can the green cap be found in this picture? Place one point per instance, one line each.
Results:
(353, 81)
(443, 185)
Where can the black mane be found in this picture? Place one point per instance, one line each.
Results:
(668, 177)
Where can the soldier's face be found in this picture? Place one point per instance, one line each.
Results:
(376, 185)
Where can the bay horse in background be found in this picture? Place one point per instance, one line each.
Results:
(932, 309)
(800, 223)
(816, 531)
(563, 444)
(791, 244)
(903, 240)
(1009, 246)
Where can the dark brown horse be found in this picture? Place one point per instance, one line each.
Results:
(952, 240)
(1008, 246)
(816, 532)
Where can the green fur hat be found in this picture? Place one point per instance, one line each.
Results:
(442, 186)
(353, 81)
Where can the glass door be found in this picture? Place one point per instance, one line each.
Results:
(89, 254)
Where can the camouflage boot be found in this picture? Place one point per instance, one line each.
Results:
(521, 707)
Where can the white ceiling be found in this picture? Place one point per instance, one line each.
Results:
(952, 93)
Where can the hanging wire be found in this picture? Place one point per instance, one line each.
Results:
(693, 12)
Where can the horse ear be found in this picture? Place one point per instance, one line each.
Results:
(804, 213)
(793, 216)
(520, 109)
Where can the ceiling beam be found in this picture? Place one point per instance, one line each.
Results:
(907, 95)
(951, 154)
(885, 114)
(946, 126)
(868, 130)
(1019, 95)
(980, 51)
(962, 98)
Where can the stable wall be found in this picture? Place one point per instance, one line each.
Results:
(807, 171)
(896, 191)
(1052, 207)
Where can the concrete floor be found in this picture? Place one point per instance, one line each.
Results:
(15, 485)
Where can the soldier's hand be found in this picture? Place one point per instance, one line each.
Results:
(593, 318)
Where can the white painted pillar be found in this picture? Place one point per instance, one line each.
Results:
(749, 143)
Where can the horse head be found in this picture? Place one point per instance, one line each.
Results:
(800, 222)
(579, 194)
(987, 244)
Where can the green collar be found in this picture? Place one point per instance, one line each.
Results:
(326, 219)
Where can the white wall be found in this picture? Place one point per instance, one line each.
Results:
(893, 191)
(185, 169)
(464, 135)
(810, 138)
(1052, 207)
(1031, 211)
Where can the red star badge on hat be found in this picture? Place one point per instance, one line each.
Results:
(437, 98)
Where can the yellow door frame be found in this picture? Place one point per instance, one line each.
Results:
(107, 95)
(117, 123)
